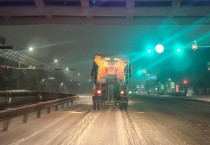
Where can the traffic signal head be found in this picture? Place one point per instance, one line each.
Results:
(149, 51)
(185, 82)
(178, 50)
(139, 72)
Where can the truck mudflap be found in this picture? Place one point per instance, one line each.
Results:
(122, 102)
(99, 101)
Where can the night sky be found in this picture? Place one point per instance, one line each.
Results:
(75, 45)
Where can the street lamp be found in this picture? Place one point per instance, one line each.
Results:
(185, 82)
(19, 64)
(67, 69)
(31, 48)
(55, 60)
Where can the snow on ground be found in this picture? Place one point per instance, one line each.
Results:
(206, 98)
(149, 120)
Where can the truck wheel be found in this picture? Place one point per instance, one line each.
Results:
(121, 107)
(98, 105)
(126, 106)
(94, 105)
(123, 104)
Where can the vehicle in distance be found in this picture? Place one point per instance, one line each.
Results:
(111, 76)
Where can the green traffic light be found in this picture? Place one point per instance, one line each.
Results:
(139, 71)
(178, 50)
(149, 51)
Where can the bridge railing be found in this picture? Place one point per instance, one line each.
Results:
(46, 100)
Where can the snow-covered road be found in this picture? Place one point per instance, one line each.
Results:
(149, 120)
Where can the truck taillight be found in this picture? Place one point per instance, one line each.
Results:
(122, 92)
(98, 91)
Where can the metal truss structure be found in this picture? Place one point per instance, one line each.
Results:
(16, 58)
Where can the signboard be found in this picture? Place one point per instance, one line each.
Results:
(144, 71)
(162, 87)
(194, 46)
(208, 65)
(172, 85)
(51, 78)
(111, 64)
(177, 88)
(151, 76)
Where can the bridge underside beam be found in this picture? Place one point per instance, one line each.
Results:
(106, 21)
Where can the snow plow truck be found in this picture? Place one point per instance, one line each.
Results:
(110, 77)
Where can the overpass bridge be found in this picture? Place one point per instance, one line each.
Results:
(153, 12)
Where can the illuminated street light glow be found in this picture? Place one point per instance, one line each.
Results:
(55, 60)
(178, 50)
(149, 51)
(67, 68)
(139, 72)
(159, 48)
(19, 63)
(31, 48)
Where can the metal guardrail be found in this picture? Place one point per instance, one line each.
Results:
(8, 114)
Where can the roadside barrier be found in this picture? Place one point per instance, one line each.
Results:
(43, 100)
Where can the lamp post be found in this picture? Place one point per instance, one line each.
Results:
(19, 65)
(70, 72)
